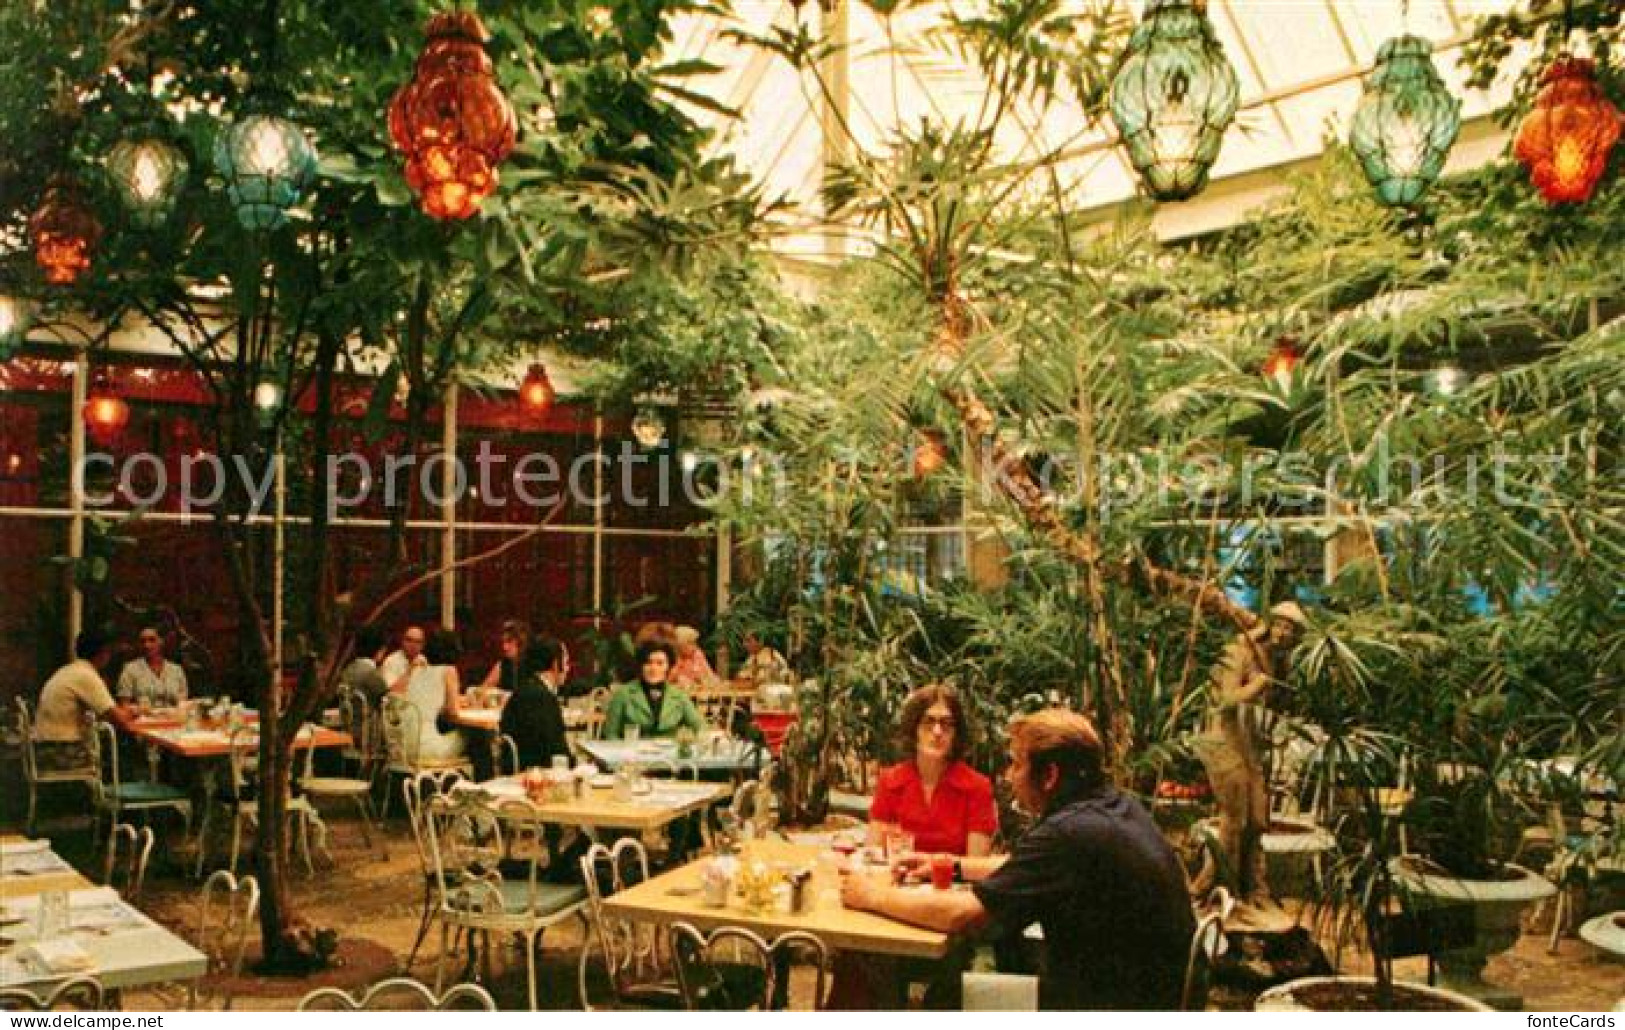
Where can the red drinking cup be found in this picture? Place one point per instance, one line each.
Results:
(942, 872)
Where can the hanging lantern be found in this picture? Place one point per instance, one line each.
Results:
(65, 231)
(451, 120)
(930, 453)
(16, 315)
(648, 428)
(267, 163)
(536, 393)
(1174, 97)
(1406, 123)
(147, 174)
(105, 412)
(1564, 141)
(1282, 363)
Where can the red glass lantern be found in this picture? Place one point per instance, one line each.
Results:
(1282, 363)
(65, 231)
(451, 120)
(536, 393)
(106, 413)
(930, 453)
(1564, 141)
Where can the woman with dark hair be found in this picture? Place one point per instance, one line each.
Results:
(434, 689)
(932, 793)
(505, 673)
(650, 703)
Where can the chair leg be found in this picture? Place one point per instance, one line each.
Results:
(366, 831)
(423, 926)
(304, 844)
(440, 962)
(33, 803)
(236, 841)
(202, 842)
(530, 965)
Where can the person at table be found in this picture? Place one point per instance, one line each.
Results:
(504, 675)
(763, 664)
(362, 675)
(532, 716)
(932, 794)
(1094, 871)
(692, 668)
(431, 686)
(75, 693)
(152, 678)
(652, 704)
(399, 666)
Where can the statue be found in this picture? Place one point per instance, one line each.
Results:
(1232, 756)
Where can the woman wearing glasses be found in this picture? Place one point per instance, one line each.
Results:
(152, 678)
(932, 795)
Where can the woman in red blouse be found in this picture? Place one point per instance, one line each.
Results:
(932, 793)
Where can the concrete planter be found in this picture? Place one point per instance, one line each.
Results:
(1498, 907)
(1291, 996)
(1606, 933)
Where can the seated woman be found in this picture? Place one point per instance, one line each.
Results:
(504, 675)
(692, 668)
(433, 688)
(932, 794)
(650, 703)
(948, 808)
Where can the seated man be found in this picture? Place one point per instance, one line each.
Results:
(532, 716)
(1094, 871)
(362, 675)
(152, 677)
(73, 692)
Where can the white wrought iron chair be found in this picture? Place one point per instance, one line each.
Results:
(730, 969)
(357, 790)
(402, 726)
(419, 790)
(1207, 944)
(240, 802)
(631, 952)
(128, 851)
(597, 707)
(80, 994)
(400, 994)
(466, 839)
(226, 942)
(118, 798)
(37, 777)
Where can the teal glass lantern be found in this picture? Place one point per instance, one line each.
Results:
(267, 164)
(1406, 123)
(147, 173)
(1174, 97)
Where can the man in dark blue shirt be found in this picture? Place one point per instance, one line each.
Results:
(1094, 872)
(532, 716)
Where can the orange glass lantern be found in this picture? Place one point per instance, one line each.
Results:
(930, 453)
(106, 413)
(1565, 140)
(1282, 363)
(451, 120)
(65, 231)
(536, 393)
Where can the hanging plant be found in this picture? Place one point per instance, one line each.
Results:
(1174, 97)
(1565, 139)
(1406, 123)
(451, 120)
(65, 231)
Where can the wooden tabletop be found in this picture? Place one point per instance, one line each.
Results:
(173, 737)
(666, 804)
(675, 896)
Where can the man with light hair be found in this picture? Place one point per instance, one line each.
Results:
(1094, 871)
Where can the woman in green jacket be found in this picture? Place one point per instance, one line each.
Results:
(654, 706)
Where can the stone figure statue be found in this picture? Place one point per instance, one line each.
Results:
(1233, 756)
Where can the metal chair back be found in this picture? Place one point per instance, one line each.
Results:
(228, 908)
(419, 790)
(128, 852)
(400, 994)
(714, 970)
(82, 994)
(630, 950)
(1207, 944)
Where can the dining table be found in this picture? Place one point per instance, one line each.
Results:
(677, 896)
(731, 755)
(169, 733)
(663, 803)
(107, 937)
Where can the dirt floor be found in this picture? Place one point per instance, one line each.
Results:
(373, 900)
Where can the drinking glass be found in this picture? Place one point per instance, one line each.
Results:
(632, 734)
(942, 872)
(899, 845)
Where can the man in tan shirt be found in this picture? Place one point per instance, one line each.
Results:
(72, 692)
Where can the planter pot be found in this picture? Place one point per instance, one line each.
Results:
(1497, 906)
(1606, 933)
(1356, 994)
